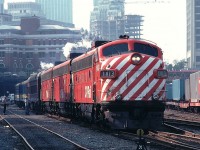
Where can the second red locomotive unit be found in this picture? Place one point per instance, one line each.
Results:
(119, 82)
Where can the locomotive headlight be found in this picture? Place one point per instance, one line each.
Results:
(136, 58)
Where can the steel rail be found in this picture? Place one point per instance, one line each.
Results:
(26, 143)
(182, 122)
(177, 144)
(57, 134)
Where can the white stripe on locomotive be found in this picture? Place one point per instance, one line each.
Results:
(118, 81)
(121, 64)
(147, 89)
(139, 84)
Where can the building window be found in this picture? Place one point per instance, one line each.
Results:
(15, 54)
(1, 42)
(29, 66)
(20, 65)
(41, 54)
(29, 55)
(198, 46)
(2, 54)
(52, 54)
(14, 41)
(15, 65)
(197, 58)
(60, 41)
(29, 42)
(20, 55)
(2, 65)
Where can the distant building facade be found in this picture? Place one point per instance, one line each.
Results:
(133, 25)
(5, 19)
(59, 10)
(24, 47)
(108, 21)
(24, 9)
(193, 34)
(1, 6)
(95, 2)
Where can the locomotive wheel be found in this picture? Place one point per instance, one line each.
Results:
(78, 111)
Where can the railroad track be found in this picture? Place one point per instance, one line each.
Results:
(176, 139)
(182, 122)
(87, 136)
(181, 139)
(174, 114)
(165, 140)
(37, 137)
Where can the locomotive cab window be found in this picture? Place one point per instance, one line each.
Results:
(145, 49)
(116, 49)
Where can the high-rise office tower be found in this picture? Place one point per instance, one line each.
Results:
(1, 6)
(193, 34)
(95, 2)
(24, 9)
(59, 10)
(108, 21)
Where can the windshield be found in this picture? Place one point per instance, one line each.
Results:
(116, 49)
(145, 49)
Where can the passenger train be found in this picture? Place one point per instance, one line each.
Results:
(120, 83)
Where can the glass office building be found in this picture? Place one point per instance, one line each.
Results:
(193, 34)
(59, 10)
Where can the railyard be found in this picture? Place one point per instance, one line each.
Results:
(21, 132)
(81, 137)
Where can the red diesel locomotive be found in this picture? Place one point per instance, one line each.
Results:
(119, 82)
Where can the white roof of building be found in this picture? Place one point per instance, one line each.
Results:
(7, 27)
(42, 27)
(50, 27)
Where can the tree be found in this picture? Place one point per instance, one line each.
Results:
(169, 66)
(177, 65)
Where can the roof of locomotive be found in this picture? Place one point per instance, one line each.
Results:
(24, 82)
(102, 44)
(143, 41)
(88, 53)
(33, 77)
(46, 71)
(61, 64)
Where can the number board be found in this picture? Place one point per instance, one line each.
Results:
(108, 74)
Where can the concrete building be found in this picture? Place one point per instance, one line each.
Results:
(24, 9)
(108, 21)
(95, 2)
(133, 25)
(5, 19)
(59, 10)
(193, 34)
(24, 47)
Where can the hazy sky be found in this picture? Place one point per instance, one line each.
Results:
(164, 22)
